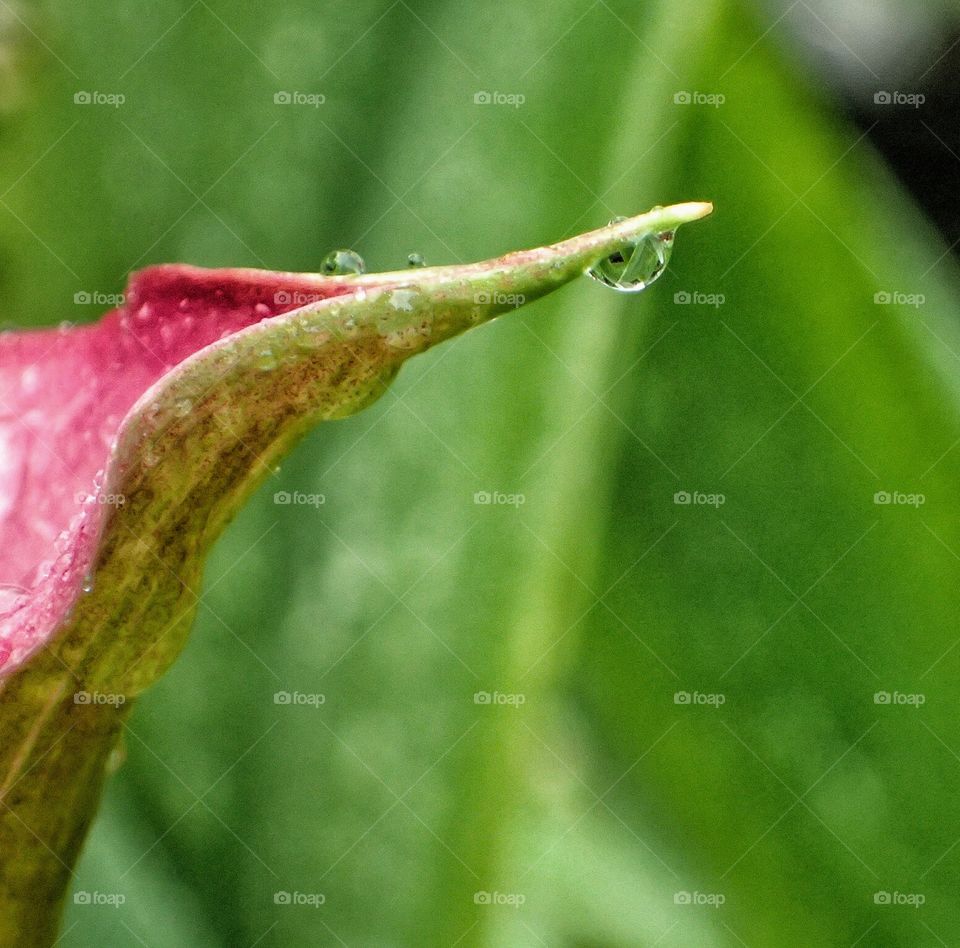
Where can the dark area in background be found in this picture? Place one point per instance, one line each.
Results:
(859, 50)
(923, 145)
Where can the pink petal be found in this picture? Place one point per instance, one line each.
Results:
(64, 395)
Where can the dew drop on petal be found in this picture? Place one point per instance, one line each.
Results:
(342, 262)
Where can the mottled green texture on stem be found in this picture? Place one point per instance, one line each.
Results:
(184, 474)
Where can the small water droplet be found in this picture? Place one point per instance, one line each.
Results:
(343, 262)
(182, 407)
(403, 299)
(87, 585)
(266, 360)
(636, 265)
(416, 260)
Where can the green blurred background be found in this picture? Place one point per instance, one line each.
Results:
(782, 803)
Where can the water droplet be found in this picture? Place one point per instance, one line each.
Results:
(403, 299)
(416, 260)
(87, 585)
(636, 266)
(182, 407)
(342, 262)
(266, 360)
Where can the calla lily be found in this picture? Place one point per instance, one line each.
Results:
(127, 445)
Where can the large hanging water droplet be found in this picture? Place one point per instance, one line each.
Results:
(343, 262)
(636, 265)
(416, 260)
